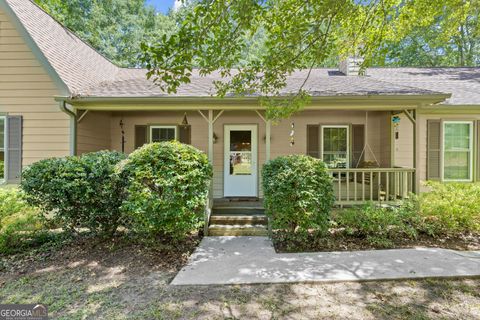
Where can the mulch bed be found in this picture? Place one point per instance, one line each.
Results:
(339, 242)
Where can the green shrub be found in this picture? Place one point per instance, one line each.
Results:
(451, 208)
(80, 192)
(167, 188)
(298, 193)
(17, 220)
(380, 225)
(11, 202)
(2, 169)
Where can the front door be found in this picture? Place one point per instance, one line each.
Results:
(240, 164)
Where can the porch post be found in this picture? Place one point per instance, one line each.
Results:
(268, 125)
(416, 152)
(412, 116)
(210, 136)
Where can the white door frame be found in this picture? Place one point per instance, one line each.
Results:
(241, 185)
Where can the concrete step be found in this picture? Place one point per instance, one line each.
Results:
(239, 220)
(244, 211)
(237, 230)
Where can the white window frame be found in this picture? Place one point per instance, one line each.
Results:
(471, 150)
(162, 127)
(322, 127)
(4, 179)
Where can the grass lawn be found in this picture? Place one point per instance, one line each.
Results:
(118, 280)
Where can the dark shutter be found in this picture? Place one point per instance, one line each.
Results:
(140, 136)
(313, 140)
(358, 144)
(13, 163)
(185, 134)
(434, 150)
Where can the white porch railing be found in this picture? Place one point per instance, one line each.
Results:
(357, 186)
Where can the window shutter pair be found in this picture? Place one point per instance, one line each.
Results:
(13, 152)
(357, 142)
(141, 135)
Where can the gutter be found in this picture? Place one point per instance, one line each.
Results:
(208, 102)
(73, 126)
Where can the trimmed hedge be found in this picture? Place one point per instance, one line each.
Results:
(167, 188)
(298, 193)
(80, 192)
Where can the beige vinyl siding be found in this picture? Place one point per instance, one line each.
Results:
(280, 134)
(93, 132)
(26, 89)
(404, 144)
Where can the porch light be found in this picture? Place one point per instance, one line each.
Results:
(185, 120)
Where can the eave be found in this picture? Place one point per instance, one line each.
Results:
(451, 109)
(344, 102)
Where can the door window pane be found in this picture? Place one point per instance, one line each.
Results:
(241, 140)
(2, 148)
(159, 134)
(240, 152)
(335, 147)
(457, 157)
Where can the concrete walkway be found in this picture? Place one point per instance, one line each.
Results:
(244, 260)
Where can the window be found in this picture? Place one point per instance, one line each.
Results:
(2, 147)
(163, 133)
(335, 146)
(457, 150)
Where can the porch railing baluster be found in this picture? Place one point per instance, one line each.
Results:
(393, 184)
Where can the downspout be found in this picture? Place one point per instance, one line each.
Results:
(73, 127)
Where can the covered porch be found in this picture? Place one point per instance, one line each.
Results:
(364, 149)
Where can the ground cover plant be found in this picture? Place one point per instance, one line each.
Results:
(20, 224)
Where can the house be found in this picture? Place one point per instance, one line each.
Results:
(381, 134)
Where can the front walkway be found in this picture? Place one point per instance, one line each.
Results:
(244, 260)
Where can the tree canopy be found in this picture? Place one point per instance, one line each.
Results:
(300, 34)
(114, 27)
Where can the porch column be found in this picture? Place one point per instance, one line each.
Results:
(268, 126)
(210, 136)
(412, 116)
(211, 121)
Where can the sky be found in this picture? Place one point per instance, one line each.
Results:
(162, 5)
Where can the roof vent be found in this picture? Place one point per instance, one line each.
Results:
(351, 66)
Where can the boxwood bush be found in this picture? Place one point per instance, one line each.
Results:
(167, 188)
(80, 192)
(298, 193)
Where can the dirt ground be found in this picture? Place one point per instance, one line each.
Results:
(114, 280)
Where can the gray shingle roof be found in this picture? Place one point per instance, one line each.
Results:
(77, 64)
(322, 82)
(462, 83)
